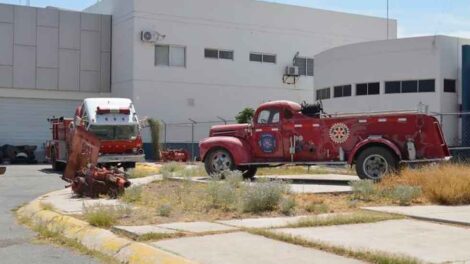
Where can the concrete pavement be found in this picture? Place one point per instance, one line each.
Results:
(447, 214)
(20, 185)
(426, 241)
(244, 248)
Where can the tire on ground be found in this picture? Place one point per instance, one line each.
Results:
(373, 163)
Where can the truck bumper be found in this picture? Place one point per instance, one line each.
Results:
(121, 158)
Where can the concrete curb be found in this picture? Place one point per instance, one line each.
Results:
(101, 240)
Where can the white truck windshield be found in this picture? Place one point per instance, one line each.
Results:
(121, 132)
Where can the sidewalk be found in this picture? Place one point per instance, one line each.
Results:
(235, 242)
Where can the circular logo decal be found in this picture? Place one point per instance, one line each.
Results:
(267, 143)
(339, 133)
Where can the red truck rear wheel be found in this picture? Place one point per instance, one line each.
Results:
(218, 160)
(373, 163)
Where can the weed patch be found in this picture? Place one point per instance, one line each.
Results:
(105, 216)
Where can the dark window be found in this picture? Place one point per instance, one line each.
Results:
(261, 57)
(269, 58)
(342, 91)
(226, 54)
(427, 86)
(361, 89)
(211, 53)
(409, 87)
(323, 94)
(218, 54)
(306, 66)
(450, 86)
(374, 88)
(256, 57)
(310, 65)
(347, 90)
(392, 87)
(302, 64)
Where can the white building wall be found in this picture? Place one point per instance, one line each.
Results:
(207, 88)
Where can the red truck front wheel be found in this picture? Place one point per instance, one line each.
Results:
(218, 161)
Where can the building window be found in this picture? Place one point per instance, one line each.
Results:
(169, 55)
(218, 54)
(262, 57)
(367, 88)
(323, 94)
(420, 86)
(305, 65)
(409, 86)
(342, 91)
(426, 86)
(392, 87)
(450, 86)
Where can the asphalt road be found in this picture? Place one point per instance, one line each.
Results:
(20, 185)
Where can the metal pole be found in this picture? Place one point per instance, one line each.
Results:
(164, 137)
(192, 137)
(388, 18)
(223, 120)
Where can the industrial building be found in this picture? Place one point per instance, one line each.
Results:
(201, 60)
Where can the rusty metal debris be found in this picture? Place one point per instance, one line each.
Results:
(83, 174)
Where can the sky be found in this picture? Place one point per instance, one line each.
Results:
(415, 17)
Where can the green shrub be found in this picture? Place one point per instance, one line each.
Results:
(288, 206)
(405, 194)
(317, 208)
(132, 195)
(363, 190)
(221, 195)
(234, 178)
(164, 210)
(262, 196)
(245, 115)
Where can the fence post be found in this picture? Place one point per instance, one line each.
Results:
(223, 120)
(193, 123)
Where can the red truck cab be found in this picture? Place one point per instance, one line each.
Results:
(284, 132)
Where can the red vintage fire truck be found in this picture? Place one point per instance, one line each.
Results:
(284, 132)
(113, 120)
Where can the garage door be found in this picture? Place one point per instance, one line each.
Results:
(24, 121)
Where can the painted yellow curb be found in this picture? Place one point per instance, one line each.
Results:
(104, 241)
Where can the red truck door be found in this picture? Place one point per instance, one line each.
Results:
(267, 139)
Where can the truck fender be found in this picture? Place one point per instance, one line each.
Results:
(376, 142)
(238, 148)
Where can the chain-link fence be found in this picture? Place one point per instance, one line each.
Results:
(185, 135)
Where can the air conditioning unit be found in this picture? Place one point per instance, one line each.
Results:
(292, 71)
(149, 36)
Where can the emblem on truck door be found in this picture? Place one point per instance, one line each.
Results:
(267, 143)
(339, 133)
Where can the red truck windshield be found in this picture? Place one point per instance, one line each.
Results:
(123, 132)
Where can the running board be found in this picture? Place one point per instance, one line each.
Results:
(302, 163)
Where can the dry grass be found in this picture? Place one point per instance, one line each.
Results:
(446, 184)
(359, 217)
(143, 170)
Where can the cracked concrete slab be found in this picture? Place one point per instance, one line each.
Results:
(429, 242)
(245, 248)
